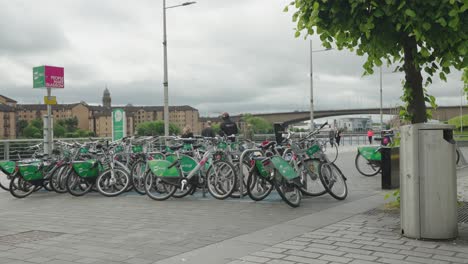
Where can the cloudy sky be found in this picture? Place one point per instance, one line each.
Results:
(236, 56)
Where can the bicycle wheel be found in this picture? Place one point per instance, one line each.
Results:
(331, 150)
(5, 181)
(289, 192)
(20, 188)
(78, 186)
(258, 187)
(366, 167)
(157, 189)
(221, 179)
(138, 176)
(333, 180)
(112, 185)
(58, 179)
(311, 184)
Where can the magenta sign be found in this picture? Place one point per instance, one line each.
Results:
(54, 77)
(48, 77)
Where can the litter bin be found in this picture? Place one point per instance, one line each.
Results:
(390, 167)
(279, 129)
(428, 182)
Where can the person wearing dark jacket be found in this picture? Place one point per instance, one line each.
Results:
(208, 131)
(228, 127)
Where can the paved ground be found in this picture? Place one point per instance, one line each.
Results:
(52, 228)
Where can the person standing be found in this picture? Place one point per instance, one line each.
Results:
(187, 132)
(228, 127)
(208, 130)
(338, 136)
(370, 134)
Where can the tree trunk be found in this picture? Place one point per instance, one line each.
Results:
(413, 77)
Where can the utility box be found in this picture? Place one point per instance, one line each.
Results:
(279, 129)
(390, 167)
(428, 190)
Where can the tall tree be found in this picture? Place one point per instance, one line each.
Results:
(429, 35)
(156, 128)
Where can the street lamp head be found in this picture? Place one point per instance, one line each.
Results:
(188, 3)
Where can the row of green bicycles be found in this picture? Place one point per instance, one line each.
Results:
(165, 167)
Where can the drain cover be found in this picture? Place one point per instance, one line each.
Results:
(29, 236)
(462, 213)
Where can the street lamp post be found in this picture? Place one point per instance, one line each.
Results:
(381, 113)
(312, 84)
(166, 83)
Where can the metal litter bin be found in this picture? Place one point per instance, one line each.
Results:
(390, 167)
(428, 182)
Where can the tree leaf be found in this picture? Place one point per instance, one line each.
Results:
(410, 13)
(442, 21)
(297, 34)
(286, 9)
(426, 26)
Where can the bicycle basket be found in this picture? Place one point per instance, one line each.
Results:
(312, 150)
(137, 149)
(370, 153)
(86, 169)
(31, 171)
(7, 167)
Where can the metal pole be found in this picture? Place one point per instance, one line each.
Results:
(48, 146)
(166, 84)
(461, 112)
(311, 89)
(381, 114)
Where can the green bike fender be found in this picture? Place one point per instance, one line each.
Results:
(186, 163)
(262, 171)
(8, 167)
(284, 168)
(370, 153)
(160, 168)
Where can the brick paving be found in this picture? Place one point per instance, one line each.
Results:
(131, 229)
(362, 239)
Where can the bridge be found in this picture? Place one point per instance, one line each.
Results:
(442, 113)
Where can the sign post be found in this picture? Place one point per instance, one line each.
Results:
(48, 77)
(118, 124)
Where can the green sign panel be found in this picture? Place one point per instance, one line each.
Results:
(39, 77)
(118, 124)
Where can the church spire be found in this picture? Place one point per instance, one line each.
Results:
(106, 98)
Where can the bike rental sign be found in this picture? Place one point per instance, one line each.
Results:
(48, 77)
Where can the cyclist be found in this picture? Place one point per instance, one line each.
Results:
(228, 127)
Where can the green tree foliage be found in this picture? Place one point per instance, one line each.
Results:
(259, 125)
(156, 129)
(70, 124)
(59, 131)
(22, 124)
(37, 123)
(422, 35)
(32, 132)
(216, 128)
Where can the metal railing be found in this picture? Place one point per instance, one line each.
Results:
(14, 149)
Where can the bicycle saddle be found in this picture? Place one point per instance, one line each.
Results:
(176, 147)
